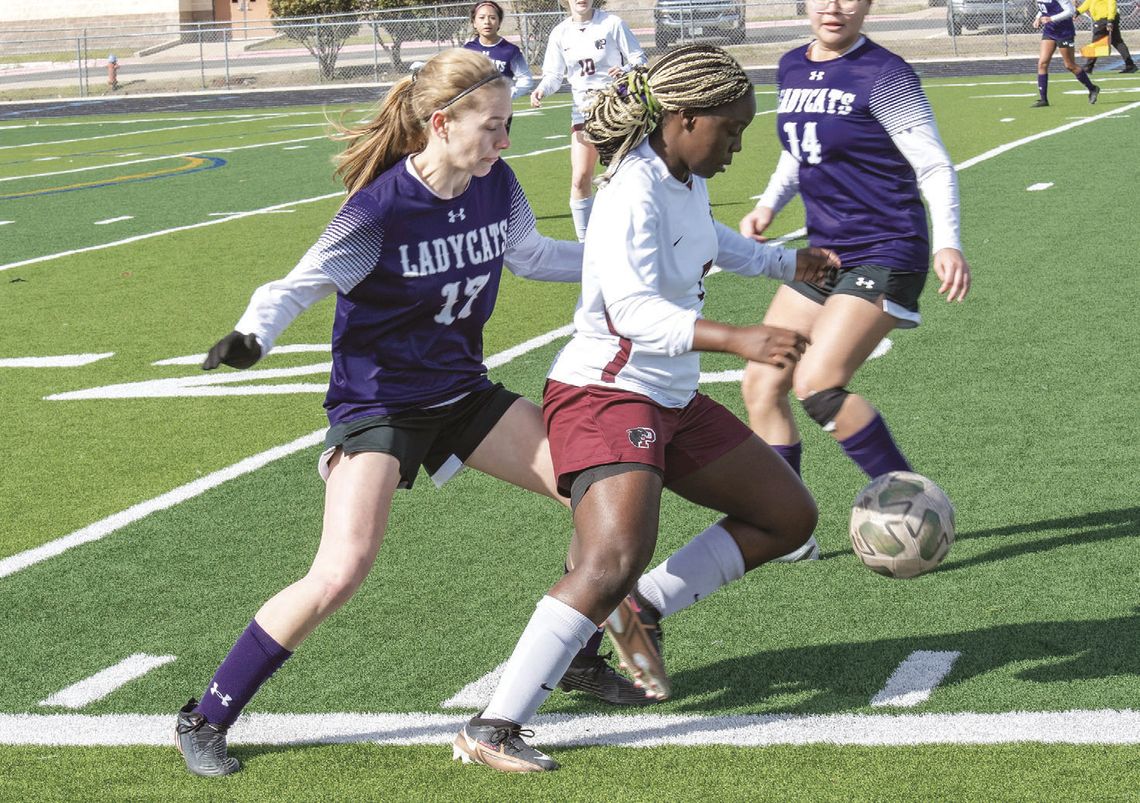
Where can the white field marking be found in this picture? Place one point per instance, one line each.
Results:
(624, 730)
(915, 678)
(1007, 119)
(537, 153)
(1040, 186)
(47, 159)
(187, 227)
(206, 384)
(58, 361)
(104, 527)
(118, 219)
(293, 348)
(151, 120)
(107, 680)
(556, 136)
(737, 375)
(6, 222)
(270, 212)
(125, 155)
(477, 693)
(294, 147)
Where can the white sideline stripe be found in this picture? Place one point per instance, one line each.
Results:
(294, 147)
(477, 693)
(637, 730)
(294, 348)
(107, 680)
(118, 219)
(104, 527)
(6, 222)
(1044, 185)
(188, 227)
(915, 678)
(58, 361)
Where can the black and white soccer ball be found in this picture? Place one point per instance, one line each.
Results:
(902, 524)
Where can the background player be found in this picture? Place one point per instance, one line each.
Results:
(486, 19)
(589, 49)
(622, 409)
(1055, 19)
(860, 145)
(1105, 18)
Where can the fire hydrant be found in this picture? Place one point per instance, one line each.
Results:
(112, 71)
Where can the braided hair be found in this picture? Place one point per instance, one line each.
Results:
(628, 110)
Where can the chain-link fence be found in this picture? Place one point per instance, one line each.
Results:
(379, 46)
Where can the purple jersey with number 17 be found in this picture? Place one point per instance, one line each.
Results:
(859, 192)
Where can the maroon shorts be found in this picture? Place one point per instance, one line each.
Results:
(576, 127)
(594, 426)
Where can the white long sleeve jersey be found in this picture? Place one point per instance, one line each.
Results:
(650, 242)
(584, 52)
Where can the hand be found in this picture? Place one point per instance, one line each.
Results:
(814, 264)
(1037, 23)
(754, 224)
(616, 72)
(536, 99)
(771, 345)
(235, 350)
(952, 268)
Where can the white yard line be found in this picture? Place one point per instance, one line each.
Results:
(57, 361)
(625, 730)
(477, 693)
(915, 678)
(106, 681)
(1044, 185)
(118, 219)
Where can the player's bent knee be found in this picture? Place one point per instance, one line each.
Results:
(823, 405)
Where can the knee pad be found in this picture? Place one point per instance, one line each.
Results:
(823, 406)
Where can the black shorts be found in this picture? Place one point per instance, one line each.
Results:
(1100, 30)
(897, 291)
(439, 438)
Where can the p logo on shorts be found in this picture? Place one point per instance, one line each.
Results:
(641, 437)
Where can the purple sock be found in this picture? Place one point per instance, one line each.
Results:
(253, 658)
(594, 643)
(791, 454)
(874, 450)
(1083, 77)
(1043, 86)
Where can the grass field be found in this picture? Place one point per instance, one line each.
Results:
(147, 509)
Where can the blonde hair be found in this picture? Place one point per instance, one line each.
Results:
(400, 125)
(693, 77)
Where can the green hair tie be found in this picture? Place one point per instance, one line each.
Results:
(637, 85)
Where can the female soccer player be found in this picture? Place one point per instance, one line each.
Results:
(1055, 19)
(486, 19)
(590, 49)
(862, 148)
(414, 256)
(622, 410)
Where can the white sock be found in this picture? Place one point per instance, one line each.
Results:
(694, 571)
(580, 212)
(553, 636)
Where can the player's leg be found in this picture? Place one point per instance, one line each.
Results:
(583, 164)
(1122, 48)
(358, 497)
(1070, 62)
(1044, 56)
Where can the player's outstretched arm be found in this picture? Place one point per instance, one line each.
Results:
(772, 345)
(235, 350)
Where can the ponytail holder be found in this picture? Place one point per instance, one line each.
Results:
(416, 67)
(636, 84)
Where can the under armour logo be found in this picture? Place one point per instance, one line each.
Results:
(815, 75)
(641, 437)
(454, 216)
(225, 697)
(862, 281)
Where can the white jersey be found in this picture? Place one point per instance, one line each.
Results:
(650, 242)
(584, 53)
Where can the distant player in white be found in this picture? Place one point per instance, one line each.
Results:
(589, 49)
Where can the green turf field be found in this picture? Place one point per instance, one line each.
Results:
(147, 508)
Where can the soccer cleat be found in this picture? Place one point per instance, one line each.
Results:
(1039, 104)
(1094, 93)
(1129, 68)
(809, 551)
(498, 744)
(593, 675)
(636, 634)
(202, 744)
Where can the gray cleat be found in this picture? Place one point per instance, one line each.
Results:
(593, 675)
(202, 744)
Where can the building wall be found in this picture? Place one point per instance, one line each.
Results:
(56, 14)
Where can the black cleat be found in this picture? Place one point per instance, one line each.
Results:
(1129, 68)
(1040, 104)
(1094, 93)
(593, 675)
(201, 744)
(498, 744)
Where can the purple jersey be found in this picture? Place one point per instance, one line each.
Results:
(502, 53)
(1062, 31)
(836, 118)
(417, 278)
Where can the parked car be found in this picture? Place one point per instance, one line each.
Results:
(698, 19)
(1017, 15)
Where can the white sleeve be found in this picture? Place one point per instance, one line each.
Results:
(739, 254)
(533, 256)
(1067, 11)
(937, 181)
(783, 185)
(524, 80)
(275, 305)
(553, 66)
(629, 46)
(630, 287)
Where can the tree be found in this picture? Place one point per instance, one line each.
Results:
(424, 20)
(322, 26)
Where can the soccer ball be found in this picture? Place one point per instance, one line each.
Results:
(902, 524)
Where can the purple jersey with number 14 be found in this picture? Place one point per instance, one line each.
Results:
(859, 192)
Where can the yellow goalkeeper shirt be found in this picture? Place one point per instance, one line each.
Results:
(1098, 9)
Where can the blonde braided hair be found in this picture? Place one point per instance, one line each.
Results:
(628, 110)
